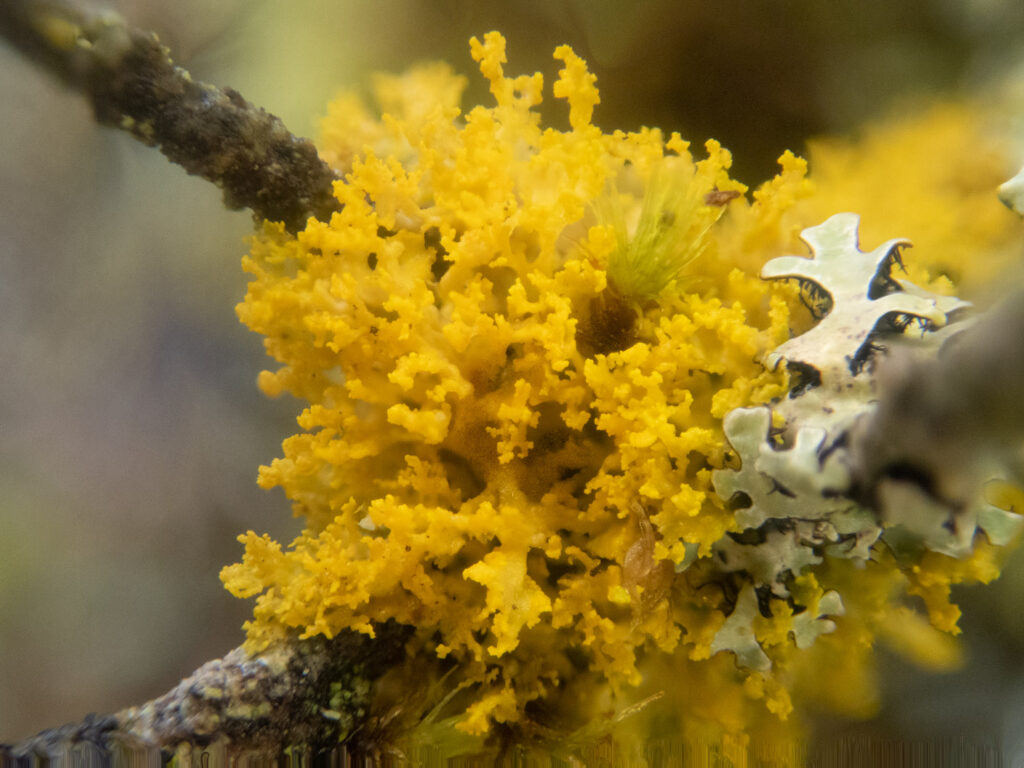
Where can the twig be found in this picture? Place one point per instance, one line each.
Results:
(947, 422)
(942, 421)
(211, 132)
(313, 693)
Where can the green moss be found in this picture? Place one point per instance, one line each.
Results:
(669, 234)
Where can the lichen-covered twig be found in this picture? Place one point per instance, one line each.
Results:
(312, 693)
(946, 422)
(211, 132)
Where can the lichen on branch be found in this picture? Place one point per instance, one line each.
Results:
(527, 355)
(563, 443)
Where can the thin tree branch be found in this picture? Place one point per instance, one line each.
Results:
(211, 132)
(313, 693)
(948, 422)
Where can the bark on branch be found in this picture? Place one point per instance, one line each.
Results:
(948, 422)
(211, 132)
(315, 694)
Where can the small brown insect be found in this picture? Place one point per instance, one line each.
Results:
(641, 570)
(720, 196)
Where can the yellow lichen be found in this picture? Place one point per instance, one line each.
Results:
(517, 346)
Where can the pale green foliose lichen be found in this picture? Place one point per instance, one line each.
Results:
(792, 493)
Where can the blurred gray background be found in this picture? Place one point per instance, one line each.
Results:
(130, 424)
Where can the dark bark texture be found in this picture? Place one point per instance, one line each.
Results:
(211, 132)
(313, 694)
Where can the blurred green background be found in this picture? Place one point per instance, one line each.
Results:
(130, 425)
